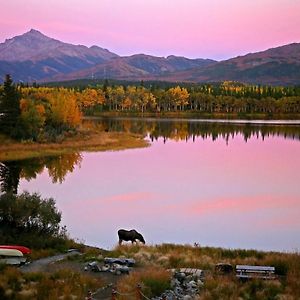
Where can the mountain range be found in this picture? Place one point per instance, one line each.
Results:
(33, 56)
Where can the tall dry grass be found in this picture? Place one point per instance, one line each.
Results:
(153, 282)
(168, 256)
(62, 284)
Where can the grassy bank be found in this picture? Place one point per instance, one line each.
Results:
(168, 256)
(198, 115)
(84, 141)
(151, 270)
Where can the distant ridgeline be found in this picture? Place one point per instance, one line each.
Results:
(34, 56)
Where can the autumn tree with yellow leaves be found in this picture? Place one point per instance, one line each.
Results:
(90, 100)
(48, 112)
(179, 97)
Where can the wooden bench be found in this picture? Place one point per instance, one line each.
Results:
(262, 272)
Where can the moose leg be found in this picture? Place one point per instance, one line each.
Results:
(120, 241)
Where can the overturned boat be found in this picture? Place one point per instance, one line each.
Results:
(13, 254)
(23, 249)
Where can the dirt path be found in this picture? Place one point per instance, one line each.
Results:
(42, 264)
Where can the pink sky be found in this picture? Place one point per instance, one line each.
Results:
(194, 28)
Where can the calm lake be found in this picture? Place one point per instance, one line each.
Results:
(218, 184)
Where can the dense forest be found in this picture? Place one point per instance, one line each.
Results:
(44, 113)
(226, 97)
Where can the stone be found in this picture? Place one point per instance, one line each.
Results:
(174, 282)
(180, 276)
(200, 283)
(105, 268)
(185, 285)
(192, 284)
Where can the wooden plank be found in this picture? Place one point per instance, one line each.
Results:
(257, 276)
(255, 268)
(262, 272)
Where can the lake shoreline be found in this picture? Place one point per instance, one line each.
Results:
(92, 140)
(197, 120)
(84, 141)
(197, 115)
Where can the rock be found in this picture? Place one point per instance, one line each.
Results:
(121, 261)
(192, 284)
(174, 282)
(178, 291)
(199, 273)
(180, 276)
(105, 268)
(92, 263)
(92, 266)
(200, 283)
(122, 269)
(185, 284)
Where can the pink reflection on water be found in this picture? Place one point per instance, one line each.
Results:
(242, 194)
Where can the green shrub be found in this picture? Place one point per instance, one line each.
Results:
(155, 286)
(30, 220)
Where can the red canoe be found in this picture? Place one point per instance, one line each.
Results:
(23, 249)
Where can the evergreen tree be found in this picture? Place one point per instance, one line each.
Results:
(9, 108)
(10, 176)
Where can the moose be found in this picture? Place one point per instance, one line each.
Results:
(130, 235)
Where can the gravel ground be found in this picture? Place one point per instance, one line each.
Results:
(58, 262)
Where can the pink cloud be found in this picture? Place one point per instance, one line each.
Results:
(214, 29)
(115, 199)
(243, 204)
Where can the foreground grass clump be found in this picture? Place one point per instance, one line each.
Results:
(63, 284)
(153, 280)
(228, 287)
(168, 256)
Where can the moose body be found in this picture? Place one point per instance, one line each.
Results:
(130, 235)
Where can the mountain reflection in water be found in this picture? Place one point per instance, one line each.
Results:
(190, 130)
(228, 185)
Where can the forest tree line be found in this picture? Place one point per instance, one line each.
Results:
(47, 113)
(227, 98)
